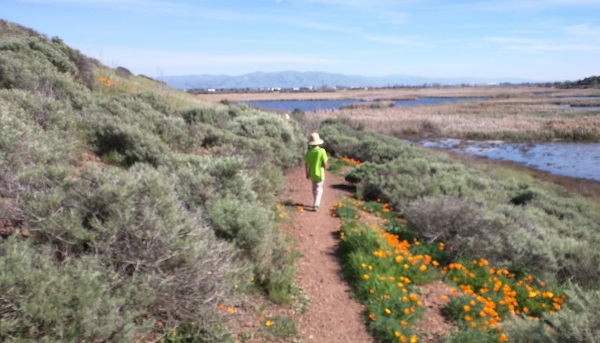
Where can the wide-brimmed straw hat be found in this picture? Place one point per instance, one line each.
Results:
(315, 139)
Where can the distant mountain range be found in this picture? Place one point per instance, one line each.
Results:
(294, 79)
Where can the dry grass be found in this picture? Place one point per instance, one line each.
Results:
(513, 118)
(516, 112)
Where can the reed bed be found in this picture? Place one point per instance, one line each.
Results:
(513, 118)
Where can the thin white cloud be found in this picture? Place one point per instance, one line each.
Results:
(162, 7)
(584, 30)
(147, 61)
(556, 47)
(391, 40)
(541, 45)
(508, 6)
(97, 2)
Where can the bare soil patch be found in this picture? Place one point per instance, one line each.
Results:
(434, 327)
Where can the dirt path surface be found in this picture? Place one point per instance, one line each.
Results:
(333, 316)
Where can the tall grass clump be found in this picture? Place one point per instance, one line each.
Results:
(128, 210)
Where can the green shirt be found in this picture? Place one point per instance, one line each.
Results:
(315, 158)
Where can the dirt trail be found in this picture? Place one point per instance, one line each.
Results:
(333, 316)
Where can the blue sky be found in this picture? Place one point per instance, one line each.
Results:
(543, 40)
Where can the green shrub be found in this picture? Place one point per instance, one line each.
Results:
(47, 113)
(148, 220)
(75, 300)
(515, 225)
(248, 227)
(343, 141)
(85, 66)
(578, 322)
(124, 144)
(133, 222)
(213, 115)
(25, 145)
(35, 64)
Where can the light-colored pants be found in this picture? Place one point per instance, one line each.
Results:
(317, 187)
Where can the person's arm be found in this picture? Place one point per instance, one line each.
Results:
(326, 165)
(307, 170)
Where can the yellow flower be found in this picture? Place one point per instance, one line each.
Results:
(372, 316)
(280, 215)
(230, 309)
(268, 323)
(414, 339)
(366, 276)
(423, 268)
(467, 308)
(387, 310)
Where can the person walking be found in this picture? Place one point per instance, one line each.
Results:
(315, 162)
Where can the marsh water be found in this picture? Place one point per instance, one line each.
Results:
(578, 160)
(325, 105)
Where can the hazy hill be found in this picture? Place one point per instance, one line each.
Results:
(291, 79)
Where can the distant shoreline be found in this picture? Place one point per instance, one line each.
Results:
(398, 93)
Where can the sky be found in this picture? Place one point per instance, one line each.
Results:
(536, 40)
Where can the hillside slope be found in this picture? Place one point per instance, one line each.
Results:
(128, 209)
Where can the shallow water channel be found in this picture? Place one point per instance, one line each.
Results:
(326, 105)
(578, 160)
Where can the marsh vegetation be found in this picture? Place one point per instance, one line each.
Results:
(130, 211)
